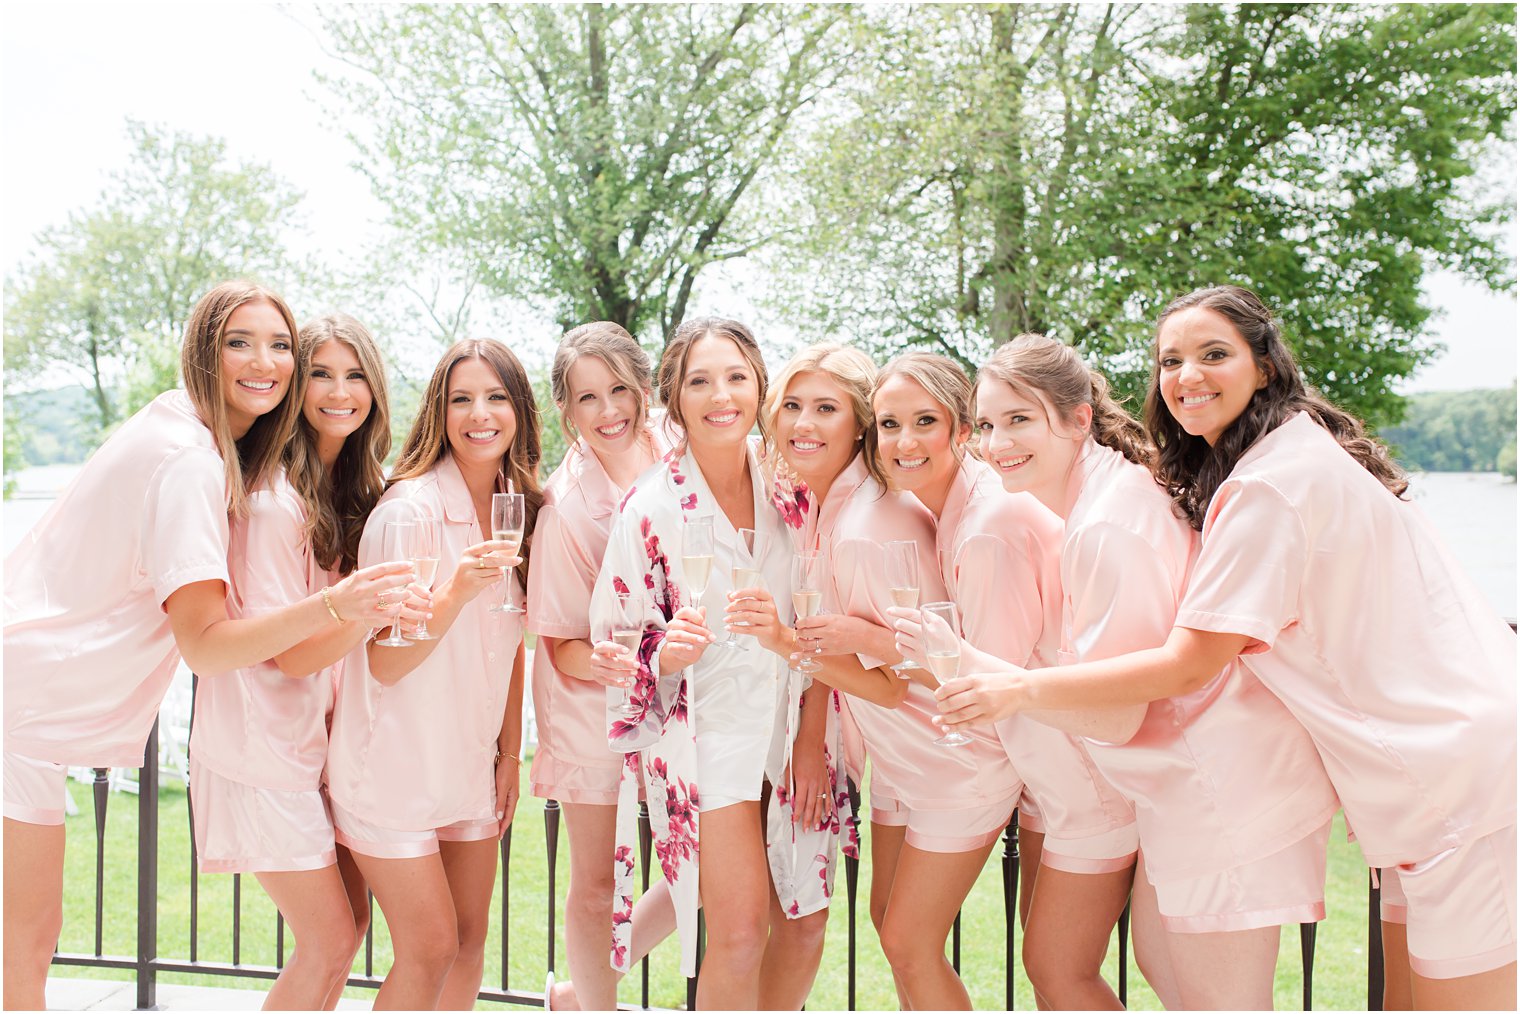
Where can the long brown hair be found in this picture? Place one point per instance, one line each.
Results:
(678, 350)
(427, 442)
(247, 461)
(1189, 468)
(1033, 364)
(338, 502)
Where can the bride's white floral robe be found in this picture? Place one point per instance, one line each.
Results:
(718, 727)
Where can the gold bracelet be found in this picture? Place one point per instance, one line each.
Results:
(513, 756)
(328, 602)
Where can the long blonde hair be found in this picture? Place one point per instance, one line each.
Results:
(428, 440)
(338, 502)
(848, 367)
(247, 461)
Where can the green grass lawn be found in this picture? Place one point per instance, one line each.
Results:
(1340, 964)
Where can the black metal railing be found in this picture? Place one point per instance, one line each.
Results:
(148, 964)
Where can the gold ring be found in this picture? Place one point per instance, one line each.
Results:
(480, 563)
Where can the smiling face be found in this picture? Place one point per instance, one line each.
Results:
(601, 407)
(338, 397)
(815, 427)
(916, 437)
(478, 421)
(258, 360)
(1206, 373)
(1018, 441)
(719, 394)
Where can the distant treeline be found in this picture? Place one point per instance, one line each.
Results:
(1457, 431)
(1443, 431)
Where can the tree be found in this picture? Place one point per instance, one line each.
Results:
(105, 296)
(595, 156)
(1069, 168)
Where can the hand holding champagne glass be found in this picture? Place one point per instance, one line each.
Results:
(902, 580)
(746, 573)
(942, 651)
(508, 517)
(396, 543)
(807, 598)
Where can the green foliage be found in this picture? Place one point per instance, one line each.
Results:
(1457, 431)
(551, 436)
(49, 427)
(15, 456)
(994, 169)
(105, 296)
(590, 155)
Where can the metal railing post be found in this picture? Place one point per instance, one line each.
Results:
(1374, 943)
(147, 876)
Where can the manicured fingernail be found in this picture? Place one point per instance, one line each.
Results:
(498, 814)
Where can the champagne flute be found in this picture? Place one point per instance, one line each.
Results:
(942, 650)
(396, 543)
(807, 598)
(902, 580)
(627, 631)
(697, 556)
(508, 514)
(427, 547)
(746, 573)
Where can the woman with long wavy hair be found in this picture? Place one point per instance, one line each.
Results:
(423, 769)
(1337, 594)
(259, 740)
(126, 575)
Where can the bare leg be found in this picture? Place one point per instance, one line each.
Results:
(927, 891)
(414, 895)
(358, 906)
(735, 887)
(315, 906)
(470, 867)
(588, 905)
(1398, 979)
(1493, 990)
(33, 909)
(1225, 971)
(654, 919)
(886, 846)
(792, 955)
(1071, 919)
(1031, 847)
(1150, 939)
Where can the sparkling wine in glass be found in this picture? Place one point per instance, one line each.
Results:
(807, 597)
(902, 581)
(508, 516)
(697, 555)
(745, 572)
(427, 547)
(627, 631)
(396, 542)
(942, 650)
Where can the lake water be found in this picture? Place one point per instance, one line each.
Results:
(1475, 511)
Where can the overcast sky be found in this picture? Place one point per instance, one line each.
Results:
(74, 73)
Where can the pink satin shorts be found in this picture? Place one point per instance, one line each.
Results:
(1459, 906)
(34, 790)
(388, 843)
(1285, 887)
(241, 828)
(964, 830)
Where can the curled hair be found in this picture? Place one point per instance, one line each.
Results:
(1189, 468)
(945, 382)
(851, 369)
(617, 349)
(339, 502)
(1035, 366)
(678, 351)
(248, 460)
(428, 440)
